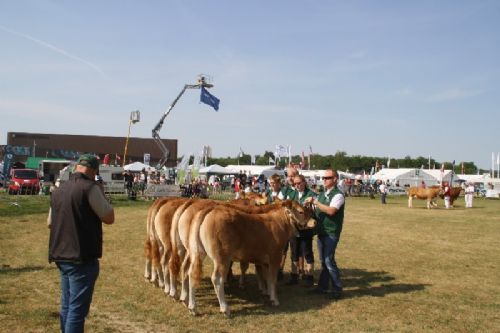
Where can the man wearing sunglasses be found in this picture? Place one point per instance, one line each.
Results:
(330, 217)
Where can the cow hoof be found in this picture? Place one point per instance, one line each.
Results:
(193, 312)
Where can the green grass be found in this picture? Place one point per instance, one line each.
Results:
(404, 270)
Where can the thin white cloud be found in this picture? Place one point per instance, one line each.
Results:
(53, 48)
(404, 92)
(38, 110)
(358, 55)
(454, 94)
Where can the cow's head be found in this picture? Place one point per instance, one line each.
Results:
(262, 200)
(300, 216)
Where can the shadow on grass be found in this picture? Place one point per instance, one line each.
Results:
(250, 302)
(6, 269)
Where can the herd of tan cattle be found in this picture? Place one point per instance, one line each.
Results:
(181, 232)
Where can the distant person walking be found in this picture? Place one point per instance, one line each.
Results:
(469, 195)
(383, 192)
(447, 195)
(77, 210)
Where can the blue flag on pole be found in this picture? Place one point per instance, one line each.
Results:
(209, 99)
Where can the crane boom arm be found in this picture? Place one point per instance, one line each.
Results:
(157, 128)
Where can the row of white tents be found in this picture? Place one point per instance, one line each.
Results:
(402, 176)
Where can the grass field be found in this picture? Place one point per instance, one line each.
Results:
(404, 270)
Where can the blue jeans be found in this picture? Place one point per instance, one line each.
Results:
(77, 287)
(327, 245)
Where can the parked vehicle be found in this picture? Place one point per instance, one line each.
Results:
(49, 169)
(24, 181)
(111, 176)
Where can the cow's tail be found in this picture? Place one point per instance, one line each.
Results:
(147, 248)
(195, 239)
(175, 263)
(155, 254)
(197, 271)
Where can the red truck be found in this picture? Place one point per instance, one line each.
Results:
(24, 181)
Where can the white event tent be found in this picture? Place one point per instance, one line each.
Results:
(216, 169)
(257, 170)
(137, 167)
(413, 177)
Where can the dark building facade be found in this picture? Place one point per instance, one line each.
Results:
(70, 146)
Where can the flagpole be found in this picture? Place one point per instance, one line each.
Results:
(492, 164)
(498, 165)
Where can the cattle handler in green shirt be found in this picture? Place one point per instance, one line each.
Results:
(330, 217)
(301, 245)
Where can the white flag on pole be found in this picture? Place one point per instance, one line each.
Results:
(281, 151)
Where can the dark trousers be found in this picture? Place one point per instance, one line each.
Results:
(327, 244)
(302, 246)
(77, 287)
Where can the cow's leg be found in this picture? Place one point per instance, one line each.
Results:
(181, 253)
(243, 269)
(159, 267)
(194, 278)
(218, 277)
(262, 272)
(428, 203)
(157, 272)
(410, 202)
(147, 253)
(166, 275)
(271, 283)
(147, 269)
(184, 277)
(192, 300)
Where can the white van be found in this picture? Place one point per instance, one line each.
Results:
(112, 177)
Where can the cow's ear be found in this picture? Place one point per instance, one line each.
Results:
(288, 212)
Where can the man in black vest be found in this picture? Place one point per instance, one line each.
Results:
(330, 217)
(77, 209)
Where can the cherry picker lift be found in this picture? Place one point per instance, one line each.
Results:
(202, 83)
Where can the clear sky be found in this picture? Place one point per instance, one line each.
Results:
(376, 78)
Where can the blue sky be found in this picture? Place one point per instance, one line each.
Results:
(377, 78)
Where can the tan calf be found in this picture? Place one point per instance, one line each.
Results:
(226, 234)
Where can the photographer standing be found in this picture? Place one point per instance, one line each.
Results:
(77, 209)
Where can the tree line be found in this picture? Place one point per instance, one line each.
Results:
(343, 162)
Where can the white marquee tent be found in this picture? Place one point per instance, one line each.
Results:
(216, 169)
(413, 177)
(257, 170)
(137, 167)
